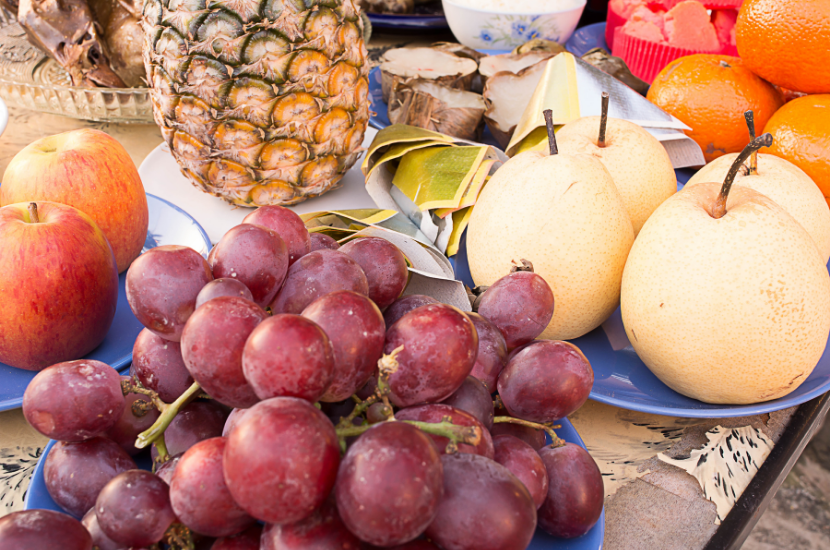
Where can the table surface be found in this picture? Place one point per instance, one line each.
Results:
(649, 502)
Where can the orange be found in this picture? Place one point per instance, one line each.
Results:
(787, 42)
(801, 134)
(710, 93)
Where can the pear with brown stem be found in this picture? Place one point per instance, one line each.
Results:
(783, 182)
(638, 163)
(725, 296)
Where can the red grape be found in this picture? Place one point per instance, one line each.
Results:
(384, 265)
(440, 345)
(355, 326)
(473, 398)
(223, 287)
(74, 401)
(195, 422)
(255, 256)
(532, 436)
(404, 305)
(246, 540)
(437, 413)
(134, 508)
(100, 541)
(484, 506)
(378, 412)
(162, 285)
(319, 241)
(199, 495)
(212, 345)
(523, 462)
(322, 530)
(389, 484)
(168, 468)
(159, 366)
(315, 275)
(75, 473)
(233, 419)
(126, 430)
(515, 351)
(288, 356)
(492, 352)
(287, 224)
(281, 460)
(520, 305)
(575, 492)
(546, 381)
(42, 530)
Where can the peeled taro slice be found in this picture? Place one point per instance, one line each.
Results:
(507, 95)
(513, 63)
(427, 105)
(443, 68)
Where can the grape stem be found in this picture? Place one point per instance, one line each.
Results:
(179, 537)
(128, 386)
(556, 441)
(161, 447)
(169, 412)
(470, 435)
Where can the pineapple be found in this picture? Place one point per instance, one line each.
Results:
(260, 101)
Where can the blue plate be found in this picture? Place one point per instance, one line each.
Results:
(169, 224)
(587, 38)
(412, 22)
(37, 498)
(623, 380)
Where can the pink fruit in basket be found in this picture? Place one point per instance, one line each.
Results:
(88, 170)
(223, 287)
(523, 462)
(74, 401)
(318, 241)
(492, 352)
(473, 398)
(323, 529)
(58, 282)
(162, 285)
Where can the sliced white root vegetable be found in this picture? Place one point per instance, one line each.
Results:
(509, 62)
(427, 63)
(507, 96)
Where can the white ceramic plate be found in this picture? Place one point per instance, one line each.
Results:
(4, 116)
(161, 176)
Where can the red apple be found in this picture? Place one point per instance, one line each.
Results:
(58, 282)
(91, 171)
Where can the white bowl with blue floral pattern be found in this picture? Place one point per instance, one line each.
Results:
(504, 28)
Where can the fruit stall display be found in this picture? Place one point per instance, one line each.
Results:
(292, 389)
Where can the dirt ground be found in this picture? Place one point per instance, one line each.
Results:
(799, 516)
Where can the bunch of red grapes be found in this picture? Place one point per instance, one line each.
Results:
(292, 399)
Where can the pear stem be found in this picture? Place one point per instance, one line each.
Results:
(554, 150)
(33, 212)
(526, 266)
(603, 120)
(764, 140)
(753, 158)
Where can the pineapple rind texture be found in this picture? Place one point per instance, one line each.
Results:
(260, 101)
